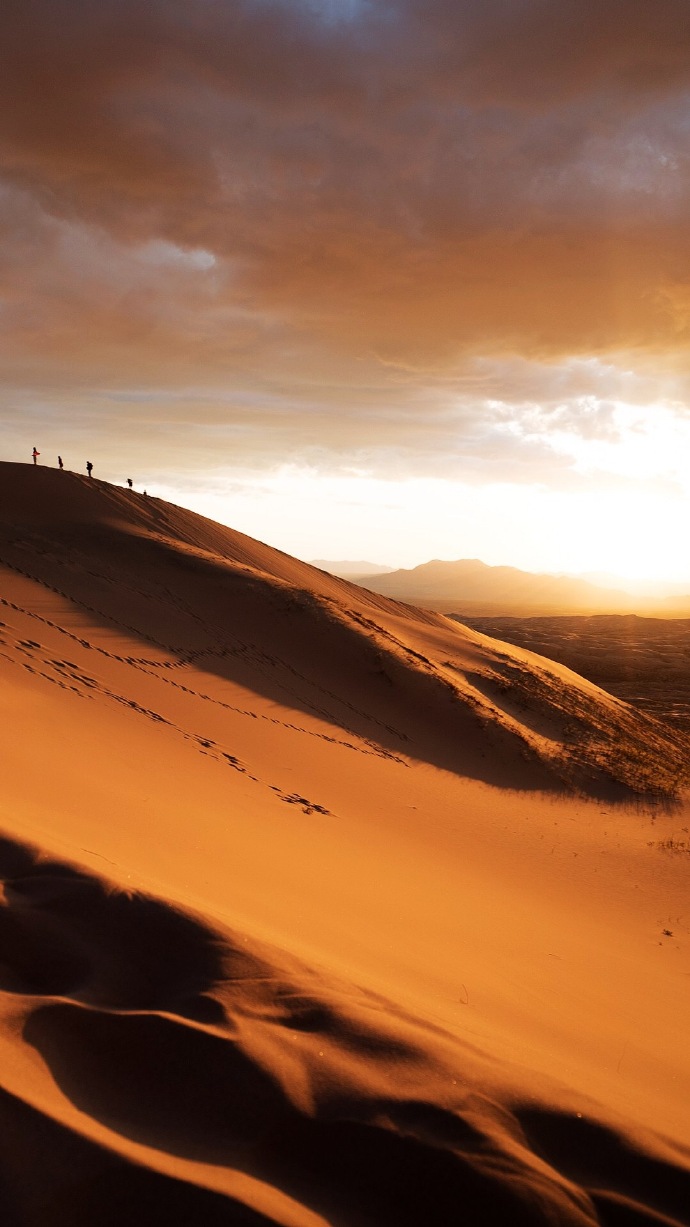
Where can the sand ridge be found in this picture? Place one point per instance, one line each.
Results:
(159, 1037)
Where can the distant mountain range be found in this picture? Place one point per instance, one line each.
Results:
(473, 586)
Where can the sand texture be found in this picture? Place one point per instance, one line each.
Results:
(318, 908)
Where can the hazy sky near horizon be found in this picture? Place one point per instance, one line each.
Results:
(385, 279)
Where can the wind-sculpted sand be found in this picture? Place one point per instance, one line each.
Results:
(317, 908)
(160, 1063)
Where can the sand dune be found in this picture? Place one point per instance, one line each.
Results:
(403, 679)
(318, 908)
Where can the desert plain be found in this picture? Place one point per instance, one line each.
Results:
(643, 660)
(319, 908)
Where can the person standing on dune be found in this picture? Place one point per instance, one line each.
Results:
(35, 453)
(60, 464)
(89, 468)
(129, 482)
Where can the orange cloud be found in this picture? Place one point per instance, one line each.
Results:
(338, 209)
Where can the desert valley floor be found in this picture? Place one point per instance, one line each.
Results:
(317, 908)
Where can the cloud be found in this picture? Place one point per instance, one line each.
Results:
(347, 230)
(535, 53)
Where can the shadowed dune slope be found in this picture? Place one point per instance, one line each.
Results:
(175, 1059)
(411, 682)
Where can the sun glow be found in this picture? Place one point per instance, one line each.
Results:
(616, 527)
(642, 444)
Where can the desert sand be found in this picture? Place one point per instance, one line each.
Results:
(319, 908)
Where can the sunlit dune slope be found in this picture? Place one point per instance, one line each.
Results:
(413, 682)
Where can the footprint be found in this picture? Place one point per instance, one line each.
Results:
(308, 807)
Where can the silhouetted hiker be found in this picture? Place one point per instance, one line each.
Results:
(129, 482)
(60, 464)
(35, 454)
(89, 468)
(145, 495)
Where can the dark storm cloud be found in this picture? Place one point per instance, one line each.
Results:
(342, 205)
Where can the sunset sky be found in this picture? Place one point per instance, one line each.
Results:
(378, 279)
